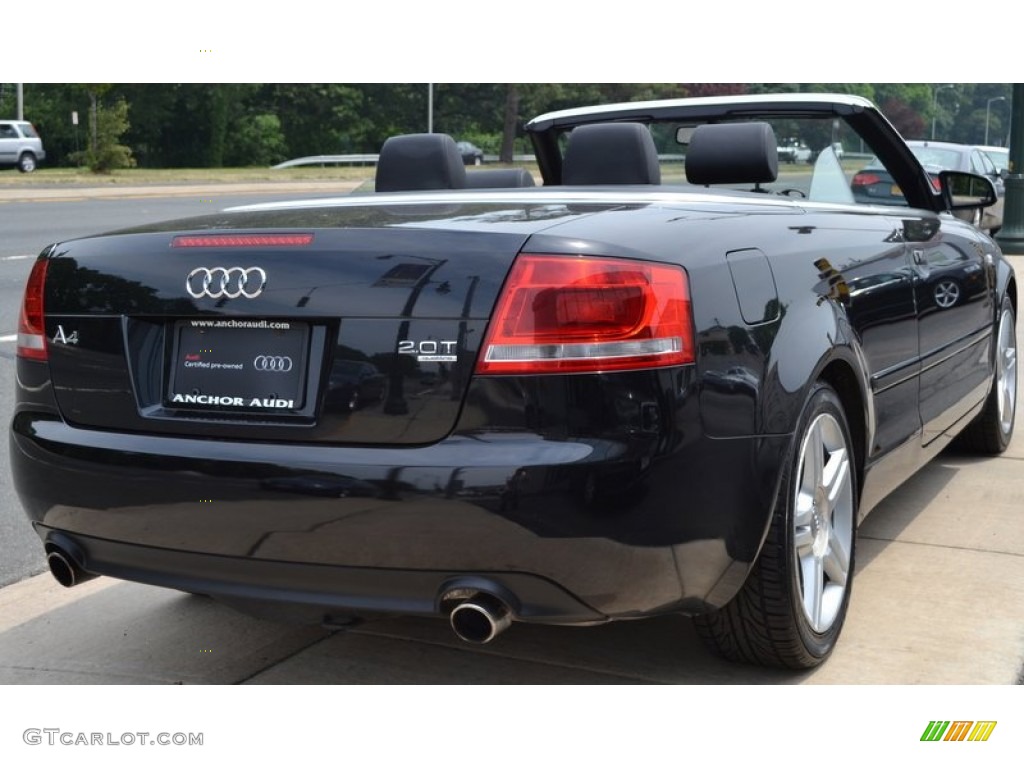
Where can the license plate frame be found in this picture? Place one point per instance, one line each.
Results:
(238, 366)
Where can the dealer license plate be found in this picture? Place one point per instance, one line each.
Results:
(239, 365)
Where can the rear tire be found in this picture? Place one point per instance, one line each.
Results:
(27, 162)
(990, 433)
(791, 609)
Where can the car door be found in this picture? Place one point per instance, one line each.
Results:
(877, 286)
(8, 143)
(883, 312)
(953, 292)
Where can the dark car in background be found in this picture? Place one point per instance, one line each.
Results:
(873, 184)
(471, 153)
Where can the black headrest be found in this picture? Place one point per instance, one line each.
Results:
(611, 153)
(498, 178)
(420, 161)
(732, 153)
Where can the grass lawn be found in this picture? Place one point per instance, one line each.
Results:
(142, 176)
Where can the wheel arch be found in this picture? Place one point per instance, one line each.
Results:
(1010, 290)
(1005, 283)
(841, 376)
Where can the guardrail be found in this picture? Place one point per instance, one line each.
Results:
(328, 160)
(372, 159)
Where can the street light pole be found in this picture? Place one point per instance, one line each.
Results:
(430, 107)
(988, 106)
(1011, 236)
(935, 105)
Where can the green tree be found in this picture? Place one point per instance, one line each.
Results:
(978, 101)
(323, 119)
(257, 140)
(107, 125)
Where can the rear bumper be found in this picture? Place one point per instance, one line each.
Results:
(573, 530)
(315, 593)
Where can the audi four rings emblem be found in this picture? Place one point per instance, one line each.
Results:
(225, 282)
(272, 363)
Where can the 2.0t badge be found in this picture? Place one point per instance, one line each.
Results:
(429, 350)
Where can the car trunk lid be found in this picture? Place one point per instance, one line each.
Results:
(286, 331)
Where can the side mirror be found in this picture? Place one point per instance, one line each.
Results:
(963, 191)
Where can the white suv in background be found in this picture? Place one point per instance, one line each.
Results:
(20, 145)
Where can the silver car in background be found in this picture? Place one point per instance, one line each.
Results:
(20, 145)
(1000, 157)
(872, 184)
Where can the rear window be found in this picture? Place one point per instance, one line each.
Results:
(999, 157)
(940, 158)
(27, 130)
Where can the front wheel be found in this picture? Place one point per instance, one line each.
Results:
(791, 609)
(991, 431)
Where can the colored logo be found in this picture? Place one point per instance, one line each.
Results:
(958, 730)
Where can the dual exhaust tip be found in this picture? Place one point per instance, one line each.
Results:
(476, 616)
(64, 567)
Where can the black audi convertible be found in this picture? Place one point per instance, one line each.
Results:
(663, 376)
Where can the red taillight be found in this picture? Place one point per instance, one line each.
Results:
(865, 179)
(31, 327)
(575, 314)
(240, 241)
(936, 184)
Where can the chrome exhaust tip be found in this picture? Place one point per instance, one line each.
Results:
(480, 619)
(64, 569)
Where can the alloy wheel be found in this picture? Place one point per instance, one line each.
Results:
(1006, 370)
(947, 293)
(823, 521)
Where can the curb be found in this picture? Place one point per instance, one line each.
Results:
(67, 193)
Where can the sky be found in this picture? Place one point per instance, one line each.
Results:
(568, 41)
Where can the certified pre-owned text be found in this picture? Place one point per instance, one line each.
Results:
(56, 736)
